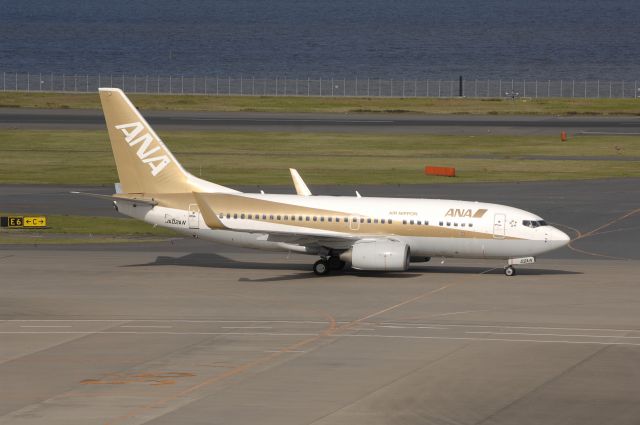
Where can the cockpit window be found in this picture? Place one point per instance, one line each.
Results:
(534, 223)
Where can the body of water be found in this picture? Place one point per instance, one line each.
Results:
(570, 39)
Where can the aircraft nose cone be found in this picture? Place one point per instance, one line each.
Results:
(560, 236)
(555, 238)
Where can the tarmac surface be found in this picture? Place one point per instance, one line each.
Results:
(122, 337)
(316, 122)
(192, 332)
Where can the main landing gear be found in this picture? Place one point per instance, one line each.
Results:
(324, 265)
(321, 267)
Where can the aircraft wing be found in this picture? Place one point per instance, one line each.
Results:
(302, 236)
(333, 242)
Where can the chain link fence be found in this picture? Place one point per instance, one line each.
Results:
(367, 87)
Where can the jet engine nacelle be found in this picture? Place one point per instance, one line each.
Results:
(382, 255)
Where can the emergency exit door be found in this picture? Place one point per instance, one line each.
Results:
(498, 226)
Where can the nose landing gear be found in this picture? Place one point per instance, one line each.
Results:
(509, 271)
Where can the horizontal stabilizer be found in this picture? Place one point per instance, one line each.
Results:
(119, 198)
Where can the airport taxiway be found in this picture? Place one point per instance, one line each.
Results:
(185, 331)
(132, 337)
(317, 122)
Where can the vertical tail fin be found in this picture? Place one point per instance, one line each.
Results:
(145, 164)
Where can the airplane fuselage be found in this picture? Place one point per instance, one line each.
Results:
(430, 227)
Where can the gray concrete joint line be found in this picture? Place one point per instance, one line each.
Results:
(393, 381)
(543, 384)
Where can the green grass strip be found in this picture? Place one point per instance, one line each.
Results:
(491, 106)
(73, 230)
(230, 158)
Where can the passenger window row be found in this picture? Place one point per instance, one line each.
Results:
(283, 217)
(417, 222)
(426, 223)
(331, 219)
(454, 224)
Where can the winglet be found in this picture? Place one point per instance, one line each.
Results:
(209, 216)
(301, 187)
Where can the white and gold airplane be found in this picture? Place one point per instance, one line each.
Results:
(384, 234)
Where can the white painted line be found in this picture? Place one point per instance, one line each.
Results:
(145, 326)
(155, 333)
(459, 312)
(285, 351)
(430, 327)
(312, 322)
(562, 335)
(46, 326)
(412, 337)
(511, 327)
(412, 327)
(69, 320)
(246, 327)
(463, 338)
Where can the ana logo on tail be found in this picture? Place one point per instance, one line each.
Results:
(134, 133)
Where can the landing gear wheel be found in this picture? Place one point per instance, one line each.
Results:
(335, 263)
(509, 271)
(321, 267)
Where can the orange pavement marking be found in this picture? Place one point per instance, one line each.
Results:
(604, 226)
(331, 329)
(594, 232)
(593, 254)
